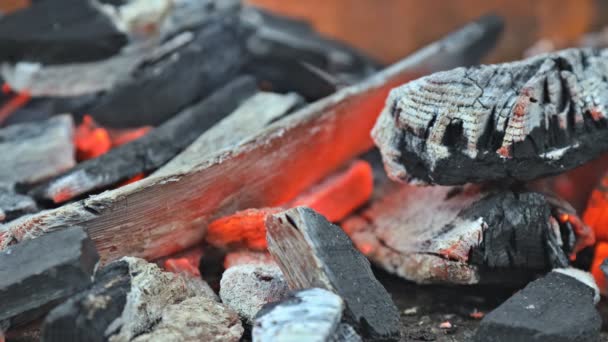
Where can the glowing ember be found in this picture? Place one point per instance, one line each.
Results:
(123, 136)
(185, 262)
(596, 214)
(6, 88)
(477, 314)
(601, 253)
(134, 179)
(585, 236)
(334, 197)
(13, 104)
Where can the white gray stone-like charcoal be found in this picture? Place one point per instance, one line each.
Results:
(247, 288)
(312, 252)
(13, 205)
(559, 307)
(36, 275)
(514, 121)
(311, 315)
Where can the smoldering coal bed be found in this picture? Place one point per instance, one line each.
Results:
(206, 170)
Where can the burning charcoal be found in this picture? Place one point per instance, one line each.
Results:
(36, 150)
(461, 235)
(306, 146)
(13, 205)
(557, 307)
(188, 14)
(246, 288)
(313, 252)
(306, 315)
(345, 333)
(514, 121)
(598, 266)
(160, 89)
(36, 275)
(49, 32)
(127, 299)
(135, 157)
(186, 264)
(247, 257)
(195, 319)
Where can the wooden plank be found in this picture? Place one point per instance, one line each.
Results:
(162, 215)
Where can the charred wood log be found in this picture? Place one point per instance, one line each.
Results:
(557, 307)
(52, 33)
(37, 275)
(149, 152)
(306, 315)
(315, 253)
(513, 121)
(306, 146)
(32, 152)
(13, 205)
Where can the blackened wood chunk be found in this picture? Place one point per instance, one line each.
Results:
(306, 315)
(32, 152)
(312, 252)
(86, 315)
(37, 274)
(52, 32)
(13, 205)
(514, 121)
(149, 152)
(557, 307)
(159, 89)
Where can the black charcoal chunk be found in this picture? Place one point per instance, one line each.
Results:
(13, 205)
(37, 274)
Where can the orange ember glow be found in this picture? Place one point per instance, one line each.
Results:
(6, 88)
(134, 179)
(182, 265)
(601, 253)
(585, 236)
(596, 214)
(92, 140)
(13, 104)
(335, 197)
(477, 314)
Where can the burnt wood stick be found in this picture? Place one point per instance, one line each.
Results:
(38, 274)
(159, 89)
(32, 152)
(149, 152)
(514, 121)
(50, 33)
(306, 146)
(312, 252)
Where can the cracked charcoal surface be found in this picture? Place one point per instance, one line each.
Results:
(513, 121)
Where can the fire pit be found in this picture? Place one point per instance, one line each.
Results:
(211, 171)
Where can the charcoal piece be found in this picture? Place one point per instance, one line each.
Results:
(32, 152)
(13, 205)
(149, 152)
(159, 89)
(195, 319)
(345, 333)
(49, 32)
(312, 252)
(557, 307)
(306, 315)
(86, 315)
(127, 299)
(515, 121)
(36, 275)
(247, 288)
(308, 145)
(191, 14)
(459, 235)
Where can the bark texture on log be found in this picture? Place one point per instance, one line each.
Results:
(514, 121)
(306, 146)
(312, 252)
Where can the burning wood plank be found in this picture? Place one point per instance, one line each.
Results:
(37, 275)
(515, 121)
(306, 146)
(136, 157)
(315, 253)
(32, 152)
(463, 235)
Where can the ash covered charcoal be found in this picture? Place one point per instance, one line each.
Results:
(127, 299)
(13, 205)
(32, 152)
(462, 235)
(36, 275)
(149, 152)
(558, 307)
(514, 121)
(312, 252)
(345, 333)
(246, 288)
(307, 315)
(53, 32)
(195, 319)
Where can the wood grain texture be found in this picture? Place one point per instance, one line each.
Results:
(162, 215)
(514, 121)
